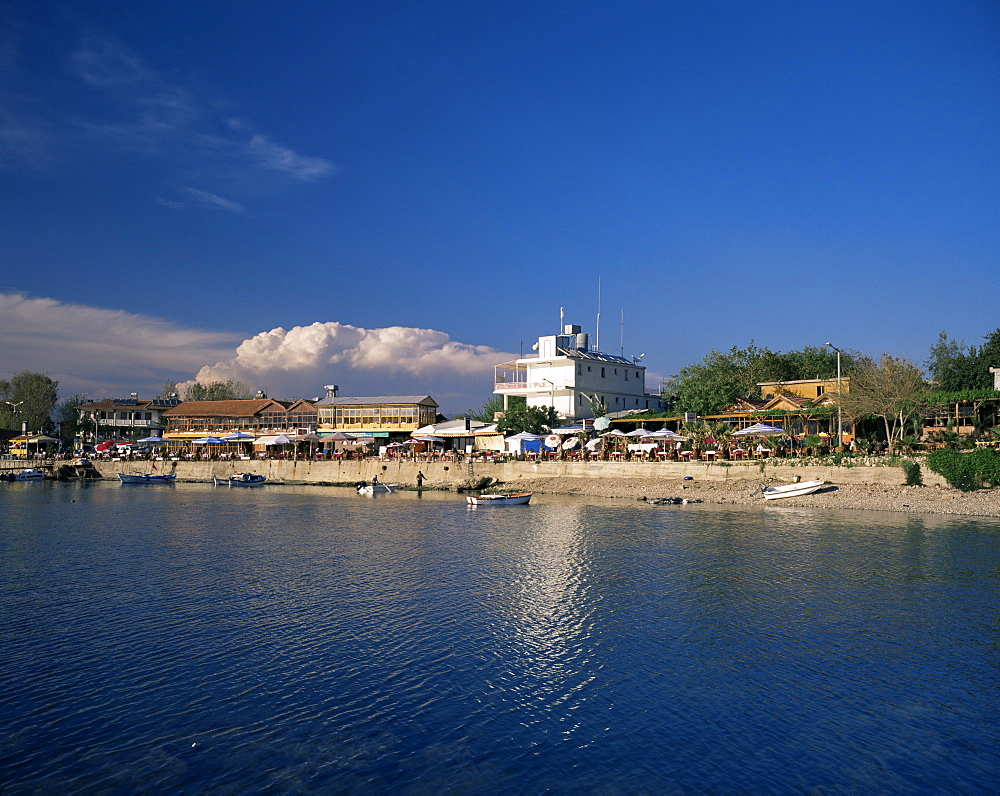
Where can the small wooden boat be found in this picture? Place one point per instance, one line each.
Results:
(788, 490)
(377, 489)
(138, 478)
(29, 474)
(241, 479)
(505, 499)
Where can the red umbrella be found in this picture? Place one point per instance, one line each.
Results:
(103, 446)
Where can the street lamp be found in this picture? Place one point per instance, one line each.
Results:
(840, 423)
(24, 423)
(552, 393)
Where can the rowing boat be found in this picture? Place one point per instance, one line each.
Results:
(505, 499)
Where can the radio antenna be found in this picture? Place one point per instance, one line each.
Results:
(597, 337)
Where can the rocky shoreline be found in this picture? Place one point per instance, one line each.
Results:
(865, 497)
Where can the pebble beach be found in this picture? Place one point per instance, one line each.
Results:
(911, 499)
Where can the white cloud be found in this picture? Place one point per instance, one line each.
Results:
(393, 360)
(97, 351)
(111, 352)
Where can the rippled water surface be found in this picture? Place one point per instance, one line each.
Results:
(193, 639)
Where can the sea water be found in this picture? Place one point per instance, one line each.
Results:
(196, 639)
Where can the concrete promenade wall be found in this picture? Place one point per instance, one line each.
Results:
(448, 475)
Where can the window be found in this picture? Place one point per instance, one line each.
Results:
(819, 391)
(602, 373)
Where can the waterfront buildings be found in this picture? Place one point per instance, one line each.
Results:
(566, 374)
(125, 419)
(383, 416)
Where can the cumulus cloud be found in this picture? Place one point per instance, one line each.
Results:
(97, 351)
(392, 360)
(105, 353)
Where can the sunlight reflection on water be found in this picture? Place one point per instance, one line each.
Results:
(307, 639)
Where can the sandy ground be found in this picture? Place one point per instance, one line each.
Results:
(915, 499)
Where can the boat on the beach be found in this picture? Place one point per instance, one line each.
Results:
(377, 489)
(241, 479)
(788, 490)
(139, 478)
(28, 474)
(500, 499)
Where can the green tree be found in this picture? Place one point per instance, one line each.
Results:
(28, 398)
(68, 420)
(488, 410)
(521, 417)
(956, 367)
(218, 391)
(892, 389)
(709, 386)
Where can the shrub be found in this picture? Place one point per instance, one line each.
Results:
(967, 471)
(912, 472)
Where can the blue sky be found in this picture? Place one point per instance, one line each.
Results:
(385, 195)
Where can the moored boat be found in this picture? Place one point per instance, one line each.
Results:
(139, 478)
(28, 474)
(377, 489)
(504, 499)
(788, 490)
(241, 479)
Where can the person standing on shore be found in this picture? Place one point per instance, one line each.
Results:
(420, 480)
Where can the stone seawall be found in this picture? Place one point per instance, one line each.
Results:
(449, 475)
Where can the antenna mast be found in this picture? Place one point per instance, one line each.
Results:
(597, 338)
(622, 339)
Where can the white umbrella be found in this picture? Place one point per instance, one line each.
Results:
(667, 435)
(281, 439)
(759, 430)
(615, 433)
(639, 432)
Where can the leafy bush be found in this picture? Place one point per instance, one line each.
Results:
(978, 469)
(912, 472)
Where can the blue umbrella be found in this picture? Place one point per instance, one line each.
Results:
(152, 439)
(237, 435)
(208, 441)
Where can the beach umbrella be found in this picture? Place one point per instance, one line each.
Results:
(236, 436)
(154, 440)
(281, 439)
(759, 430)
(208, 441)
(615, 432)
(639, 432)
(103, 446)
(666, 435)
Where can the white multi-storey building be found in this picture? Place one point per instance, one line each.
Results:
(568, 376)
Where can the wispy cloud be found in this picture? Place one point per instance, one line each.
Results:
(128, 106)
(192, 197)
(110, 352)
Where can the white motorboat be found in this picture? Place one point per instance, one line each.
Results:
(29, 474)
(504, 499)
(138, 478)
(788, 490)
(241, 479)
(377, 489)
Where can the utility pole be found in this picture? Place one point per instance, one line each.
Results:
(840, 419)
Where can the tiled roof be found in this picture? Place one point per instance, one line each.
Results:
(377, 400)
(223, 408)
